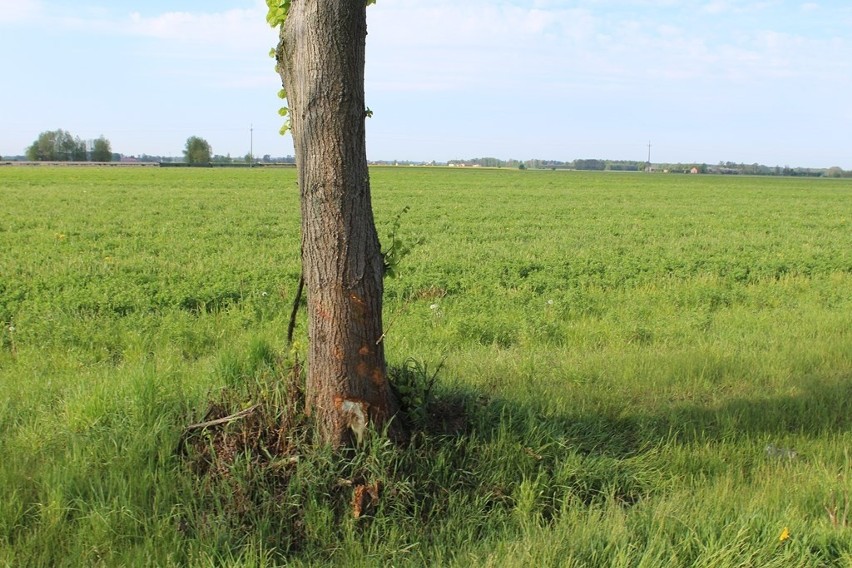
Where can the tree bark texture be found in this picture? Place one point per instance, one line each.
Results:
(321, 62)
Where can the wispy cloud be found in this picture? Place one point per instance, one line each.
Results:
(234, 29)
(16, 11)
(452, 45)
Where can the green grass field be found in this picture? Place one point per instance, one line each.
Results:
(655, 371)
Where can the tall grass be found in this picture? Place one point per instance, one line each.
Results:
(636, 370)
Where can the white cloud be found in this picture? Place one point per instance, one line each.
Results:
(446, 45)
(716, 8)
(16, 11)
(225, 49)
(235, 30)
(453, 46)
(241, 29)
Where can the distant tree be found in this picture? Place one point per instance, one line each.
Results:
(78, 151)
(197, 150)
(834, 172)
(101, 150)
(56, 145)
(589, 164)
(41, 149)
(249, 158)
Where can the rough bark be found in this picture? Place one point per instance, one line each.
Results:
(321, 63)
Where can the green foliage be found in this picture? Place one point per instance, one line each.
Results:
(284, 111)
(277, 12)
(629, 362)
(197, 151)
(101, 150)
(414, 386)
(57, 145)
(399, 248)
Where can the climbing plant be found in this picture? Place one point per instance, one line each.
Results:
(276, 15)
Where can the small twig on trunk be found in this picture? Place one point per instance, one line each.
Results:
(296, 302)
(224, 420)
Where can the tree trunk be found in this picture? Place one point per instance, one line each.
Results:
(321, 61)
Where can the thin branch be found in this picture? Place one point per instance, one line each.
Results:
(392, 321)
(224, 420)
(296, 301)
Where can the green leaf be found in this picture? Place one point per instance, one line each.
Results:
(277, 12)
(275, 16)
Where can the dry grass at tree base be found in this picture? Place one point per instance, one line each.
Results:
(252, 455)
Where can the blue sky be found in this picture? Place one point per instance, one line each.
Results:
(703, 81)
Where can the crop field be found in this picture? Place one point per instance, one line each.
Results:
(639, 370)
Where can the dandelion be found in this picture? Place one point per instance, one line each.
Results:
(264, 294)
(11, 329)
(550, 302)
(785, 534)
(434, 307)
(60, 236)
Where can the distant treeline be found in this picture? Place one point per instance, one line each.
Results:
(585, 164)
(725, 168)
(225, 165)
(216, 160)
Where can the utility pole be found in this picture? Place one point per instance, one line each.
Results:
(251, 145)
(648, 165)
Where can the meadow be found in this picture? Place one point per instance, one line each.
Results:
(648, 370)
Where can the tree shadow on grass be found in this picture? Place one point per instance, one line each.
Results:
(820, 408)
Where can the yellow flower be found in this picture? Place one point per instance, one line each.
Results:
(785, 534)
